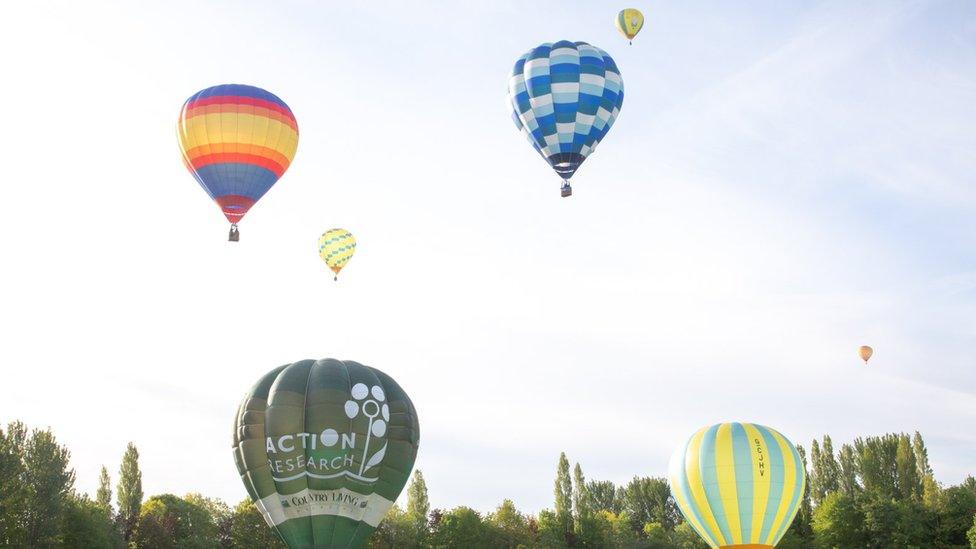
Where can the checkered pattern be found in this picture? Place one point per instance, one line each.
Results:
(565, 96)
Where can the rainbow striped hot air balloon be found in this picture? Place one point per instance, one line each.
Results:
(237, 141)
(738, 484)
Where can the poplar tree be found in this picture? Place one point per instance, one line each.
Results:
(103, 497)
(50, 484)
(564, 496)
(418, 505)
(817, 491)
(129, 491)
(581, 497)
(848, 471)
(828, 467)
(908, 481)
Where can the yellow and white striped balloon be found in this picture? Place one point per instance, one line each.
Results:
(629, 22)
(738, 484)
(336, 248)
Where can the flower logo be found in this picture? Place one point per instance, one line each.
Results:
(371, 402)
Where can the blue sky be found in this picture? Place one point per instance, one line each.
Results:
(786, 182)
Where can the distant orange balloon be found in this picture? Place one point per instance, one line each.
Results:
(865, 353)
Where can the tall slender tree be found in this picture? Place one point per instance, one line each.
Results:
(909, 481)
(829, 468)
(815, 479)
(564, 496)
(418, 505)
(581, 498)
(103, 496)
(801, 524)
(848, 471)
(129, 491)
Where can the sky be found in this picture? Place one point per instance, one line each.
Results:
(786, 182)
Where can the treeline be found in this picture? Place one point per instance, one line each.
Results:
(878, 492)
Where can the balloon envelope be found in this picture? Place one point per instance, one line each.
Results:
(629, 22)
(237, 141)
(336, 248)
(865, 353)
(565, 97)
(324, 448)
(738, 484)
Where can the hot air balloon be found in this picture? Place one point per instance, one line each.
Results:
(565, 97)
(336, 248)
(629, 23)
(237, 141)
(865, 353)
(738, 484)
(324, 448)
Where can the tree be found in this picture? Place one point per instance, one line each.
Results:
(219, 513)
(825, 474)
(603, 496)
(50, 482)
(169, 521)
(817, 491)
(801, 523)
(418, 506)
(581, 499)
(564, 497)
(13, 490)
(971, 535)
(551, 530)
(248, 530)
(396, 530)
(908, 480)
(88, 524)
(462, 527)
(648, 499)
(103, 496)
(128, 494)
(955, 512)
(848, 471)
(685, 537)
(511, 528)
(837, 523)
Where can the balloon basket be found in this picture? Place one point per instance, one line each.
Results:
(234, 235)
(566, 190)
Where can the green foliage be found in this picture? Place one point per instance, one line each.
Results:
(956, 508)
(511, 528)
(685, 537)
(418, 506)
(88, 524)
(462, 527)
(167, 521)
(971, 535)
(49, 482)
(908, 480)
(648, 499)
(13, 490)
(603, 496)
(248, 529)
(837, 523)
(220, 515)
(103, 496)
(129, 491)
(396, 530)
(551, 532)
(564, 495)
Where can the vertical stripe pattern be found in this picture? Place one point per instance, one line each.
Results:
(237, 141)
(738, 484)
(565, 96)
(629, 22)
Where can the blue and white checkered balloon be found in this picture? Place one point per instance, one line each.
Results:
(565, 97)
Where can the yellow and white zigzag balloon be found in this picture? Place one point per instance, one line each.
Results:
(336, 248)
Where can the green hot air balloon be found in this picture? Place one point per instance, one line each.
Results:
(324, 448)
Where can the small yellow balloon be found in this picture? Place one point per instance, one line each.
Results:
(336, 248)
(629, 22)
(865, 352)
